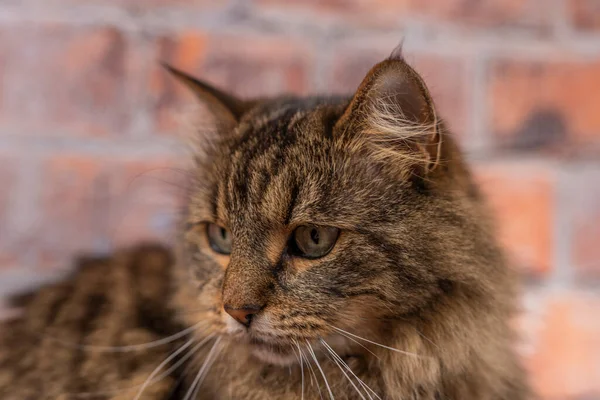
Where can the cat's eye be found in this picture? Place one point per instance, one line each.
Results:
(219, 238)
(310, 241)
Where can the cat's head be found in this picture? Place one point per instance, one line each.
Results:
(311, 217)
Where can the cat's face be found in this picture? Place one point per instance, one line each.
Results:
(301, 226)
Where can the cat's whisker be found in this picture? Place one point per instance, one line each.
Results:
(174, 184)
(124, 349)
(361, 345)
(201, 373)
(189, 354)
(161, 366)
(187, 369)
(332, 358)
(301, 362)
(190, 311)
(377, 344)
(208, 366)
(302, 377)
(426, 338)
(312, 371)
(312, 353)
(144, 174)
(150, 380)
(347, 367)
(154, 380)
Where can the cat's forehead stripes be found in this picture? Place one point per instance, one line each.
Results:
(262, 165)
(260, 181)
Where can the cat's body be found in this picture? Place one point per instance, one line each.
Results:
(78, 338)
(335, 248)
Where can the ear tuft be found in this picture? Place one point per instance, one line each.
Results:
(397, 53)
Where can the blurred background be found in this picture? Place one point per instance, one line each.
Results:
(90, 155)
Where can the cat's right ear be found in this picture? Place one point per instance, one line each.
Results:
(392, 113)
(225, 108)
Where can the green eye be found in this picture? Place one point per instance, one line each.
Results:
(219, 238)
(312, 241)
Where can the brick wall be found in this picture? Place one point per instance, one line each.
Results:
(89, 152)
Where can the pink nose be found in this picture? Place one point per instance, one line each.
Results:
(242, 315)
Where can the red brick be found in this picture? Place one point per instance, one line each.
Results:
(355, 12)
(523, 199)
(9, 257)
(147, 198)
(63, 79)
(488, 13)
(247, 66)
(149, 4)
(582, 198)
(98, 203)
(259, 66)
(75, 204)
(446, 78)
(585, 14)
(8, 182)
(187, 52)
(545, 105)
(564, 352)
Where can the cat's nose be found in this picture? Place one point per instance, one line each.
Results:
(242, 315)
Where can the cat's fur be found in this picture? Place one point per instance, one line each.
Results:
(69, 344)
(416, 268)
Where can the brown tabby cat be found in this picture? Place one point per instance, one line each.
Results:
(332, 248)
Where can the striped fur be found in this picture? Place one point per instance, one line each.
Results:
(58, 350)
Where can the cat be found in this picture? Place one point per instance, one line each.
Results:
(331, 247)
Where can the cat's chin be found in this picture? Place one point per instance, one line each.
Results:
(272, 353)
(274, 357)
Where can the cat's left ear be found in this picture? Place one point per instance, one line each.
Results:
(392, 112)
(226, 108)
